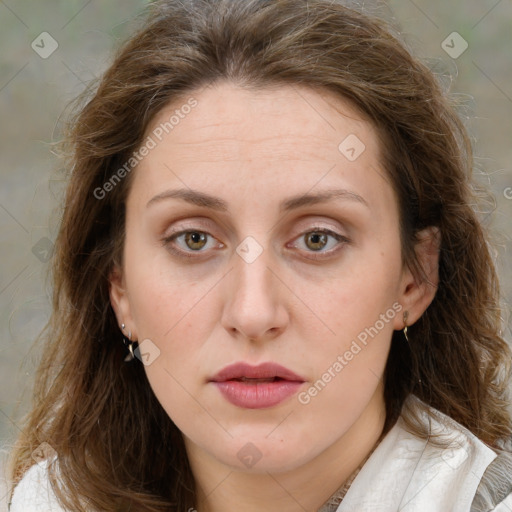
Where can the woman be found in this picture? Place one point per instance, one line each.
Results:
(269, 204)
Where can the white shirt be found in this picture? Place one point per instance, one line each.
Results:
(409, 474)
(404, 473)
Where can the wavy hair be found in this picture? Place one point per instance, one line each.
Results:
(117, 448)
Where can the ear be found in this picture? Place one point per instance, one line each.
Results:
(120, 302)
(417, 292)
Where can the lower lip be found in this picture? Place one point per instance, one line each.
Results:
(259, 395)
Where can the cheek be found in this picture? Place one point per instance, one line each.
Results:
(176, 312)
(163, 295)
(352, 325)
(178, 320)
(354, 297)
(347, 361)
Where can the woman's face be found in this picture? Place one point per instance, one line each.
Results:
(261, 230)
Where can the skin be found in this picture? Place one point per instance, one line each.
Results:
(254, 150)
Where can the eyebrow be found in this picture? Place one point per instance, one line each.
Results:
(198, 198)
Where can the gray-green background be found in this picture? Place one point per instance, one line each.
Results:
(35, 91)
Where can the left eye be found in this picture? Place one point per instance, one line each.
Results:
(318, 240)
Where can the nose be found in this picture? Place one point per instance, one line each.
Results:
(255, 308)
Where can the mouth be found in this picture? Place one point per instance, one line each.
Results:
(256, 381)
(265, 372)
(257, 387)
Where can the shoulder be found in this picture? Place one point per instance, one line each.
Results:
(34, 492)
(494, 490)
(409, 472)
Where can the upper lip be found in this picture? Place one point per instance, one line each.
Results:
(261, 371)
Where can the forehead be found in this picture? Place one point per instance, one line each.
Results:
(285, 139)
(293, 121)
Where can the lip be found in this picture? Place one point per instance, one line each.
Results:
(251, 394)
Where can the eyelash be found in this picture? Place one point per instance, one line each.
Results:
(167, 242)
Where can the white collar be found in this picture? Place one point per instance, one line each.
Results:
(407, 473)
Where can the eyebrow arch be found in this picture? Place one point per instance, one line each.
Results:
(321, 197)
(216, 203)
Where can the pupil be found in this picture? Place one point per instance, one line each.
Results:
(318, 238)
(196, 238)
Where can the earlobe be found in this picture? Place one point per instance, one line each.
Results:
(418, 291)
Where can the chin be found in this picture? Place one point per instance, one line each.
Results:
(260, 453)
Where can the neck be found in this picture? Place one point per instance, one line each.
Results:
(305, 488)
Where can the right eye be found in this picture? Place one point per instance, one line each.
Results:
(188, 242)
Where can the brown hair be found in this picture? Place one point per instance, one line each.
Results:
(117, 448)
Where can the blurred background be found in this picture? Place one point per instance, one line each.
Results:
(52, 49)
